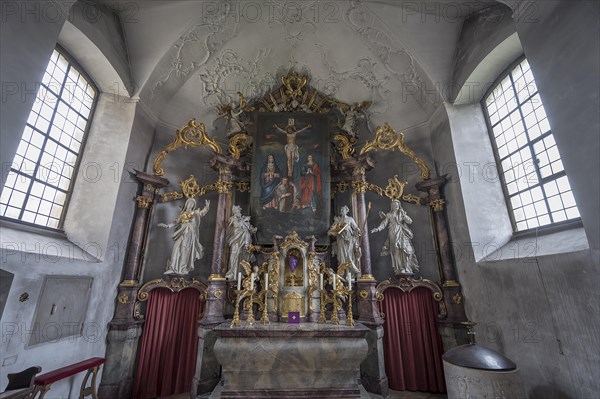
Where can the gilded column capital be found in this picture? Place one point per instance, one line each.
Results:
(143, 201)
(437, 204)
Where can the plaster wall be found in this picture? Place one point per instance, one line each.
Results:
(31, 254)
(536, 306)
(562, 45)
(480, 34)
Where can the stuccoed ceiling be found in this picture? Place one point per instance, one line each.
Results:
(188, 56)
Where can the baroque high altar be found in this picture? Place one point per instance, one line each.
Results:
(292, 156)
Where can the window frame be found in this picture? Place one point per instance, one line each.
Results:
(549, 228)
(29, 225)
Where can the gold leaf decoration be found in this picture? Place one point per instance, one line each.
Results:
(190, 135)
(386, 138)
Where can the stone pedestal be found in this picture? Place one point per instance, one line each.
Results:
(208, 370)
(473, 371)
(464, 382)
(119, 370)
(290, 360)
(372, 369)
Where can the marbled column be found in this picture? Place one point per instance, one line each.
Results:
(124, 328)
(452, 292)
(207, 373)
(372, 371)
(217, 287)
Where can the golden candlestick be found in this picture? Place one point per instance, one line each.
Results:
(336, 307)
(265, 313)
(250, 319)
(321, 318)
(349, 317)
(236, 322)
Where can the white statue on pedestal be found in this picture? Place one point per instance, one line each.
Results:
(398, 245)
(347, 246)
(187, 247)
(238, 236)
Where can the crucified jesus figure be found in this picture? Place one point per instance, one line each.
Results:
(291, 148)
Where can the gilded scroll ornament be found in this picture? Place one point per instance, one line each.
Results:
(344, 146)
(143, 201)
(239, 144)
(293, 239)
(190, 135)
(293, 83)
(394, 190)
(190, 187)
(386, 138)
(171, 196)
(412, 198)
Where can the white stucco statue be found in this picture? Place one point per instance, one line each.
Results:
(233, 116)
(352, 117)
(238, 236)
(187, 247)
(398, 244)
(347, 246)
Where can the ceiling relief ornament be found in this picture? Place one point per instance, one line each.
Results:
(397, 60)
(218, 80)
(297, 19)
(193, 49)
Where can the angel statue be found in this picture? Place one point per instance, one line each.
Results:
(352, 116)
(398, 245)
(233, 114)
(187, 247)
(238, 236)
(347, 246)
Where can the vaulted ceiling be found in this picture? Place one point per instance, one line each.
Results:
(187, 57)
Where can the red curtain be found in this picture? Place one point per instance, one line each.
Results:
(412, 344)
(167, 355)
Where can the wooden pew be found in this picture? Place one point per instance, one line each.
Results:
(44, 382)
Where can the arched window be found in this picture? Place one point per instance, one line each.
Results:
(41, 175)
(535, 184)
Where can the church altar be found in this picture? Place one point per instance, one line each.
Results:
(290, 360)
(293, 158)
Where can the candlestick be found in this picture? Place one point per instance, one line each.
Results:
(251, 281)
(334, 278)
(266, 284)
(239, 287)
(321, 281)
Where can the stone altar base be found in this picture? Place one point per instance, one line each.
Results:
(290, 360)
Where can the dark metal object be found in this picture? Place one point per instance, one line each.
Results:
(477, 357)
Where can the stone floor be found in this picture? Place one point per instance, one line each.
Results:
(393, 395)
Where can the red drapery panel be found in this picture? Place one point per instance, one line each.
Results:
(412, 344)
(167, 355)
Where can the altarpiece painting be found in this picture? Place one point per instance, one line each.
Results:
(291, 175)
